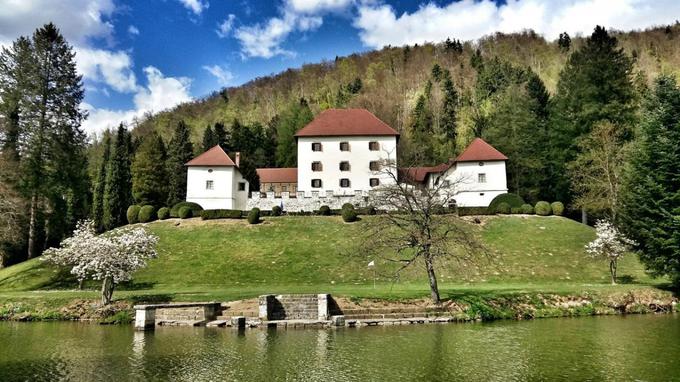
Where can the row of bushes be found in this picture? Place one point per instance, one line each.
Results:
(542, 209)
(148, 213)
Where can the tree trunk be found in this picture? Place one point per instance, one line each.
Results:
(107, 290)
(81, 284)
(612, 269)
(432, 276)
(584, 216)
(32, 227)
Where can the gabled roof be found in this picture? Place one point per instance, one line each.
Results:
(346, 122)
(419, 174)
(213, 157)
(479, 150)
(277, 175)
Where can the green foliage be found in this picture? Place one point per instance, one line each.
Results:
(118, 187)
(324, 211)
(100, 184)
(347, 206)
(149, 179)
(557, 208)
(254, 216)
(293, 119)
(651, 197)
(564, 42)
(133, 214)
(195, 209)
(527, 209)
(512, 200)
(349, 214)
(185, 212)
(471, 211)
(147, 214)
(503, 208)
(220, 214)
(276, 211)
(209, 140)
(516, 210)
(543, 208)
(180, 151)
(163, 213)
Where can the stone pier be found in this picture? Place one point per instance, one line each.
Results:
(198, 313)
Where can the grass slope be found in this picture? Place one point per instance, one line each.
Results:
(230, 259)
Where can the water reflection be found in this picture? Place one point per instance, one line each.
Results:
(605, 348)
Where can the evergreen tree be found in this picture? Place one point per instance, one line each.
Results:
(421, 134)
(180, 151)
(447, 122)
(209, 140)
(564, 42)
(149, 180)
(221, 136)
(651, 198)
(100, 184)
(118, 185)
(436, 72)
(296, 117)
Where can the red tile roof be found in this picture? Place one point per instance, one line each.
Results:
(419, 174)
(479, 150)
(277, 175)
(346, 122)
(213, 157)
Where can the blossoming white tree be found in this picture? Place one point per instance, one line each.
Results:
(112, 257)
(609, 244)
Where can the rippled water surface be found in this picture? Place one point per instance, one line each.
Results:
(643, 348)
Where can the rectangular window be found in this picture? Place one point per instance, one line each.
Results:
(344, 183)
(373, 146)
(317, 166)
(316, 146)
(344, 166)
(284, 188)
(344, 146)
(241, 186)
(481, 178)
(316, 183)
(209, 185)
(374, 165)
(374, 182)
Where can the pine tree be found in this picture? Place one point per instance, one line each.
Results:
(221, 136)
(118, 185)
(296, 117)
(447, 123)
(436, 73)
(100, 184)
(651, 197)
(209, 140)
(149, 180)
(180, 151)
(564, 42)
(421, 134)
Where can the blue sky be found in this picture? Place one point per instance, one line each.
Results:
(146, 56)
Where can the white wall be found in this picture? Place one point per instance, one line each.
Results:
(464, 177)
(224, 195)
(359, 157)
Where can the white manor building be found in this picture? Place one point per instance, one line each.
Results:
(343, 154)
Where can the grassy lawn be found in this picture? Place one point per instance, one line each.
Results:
(227, 260)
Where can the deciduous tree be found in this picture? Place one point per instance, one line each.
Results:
(609, 244)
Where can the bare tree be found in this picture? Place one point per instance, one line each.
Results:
(415, 230)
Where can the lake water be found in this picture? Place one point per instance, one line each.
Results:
(645, 347)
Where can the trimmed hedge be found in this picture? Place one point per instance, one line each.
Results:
(347, 205)
(133, 214)
(324, 211)
(195, 209)
(185, 212)
(349, 215)
(513, 200)
(516, 210)
(147, 214)
(469, 211)
(557, 208)
(543, 208)
(527, 209)
(254, 216)
(503, 208)
(276, 211)
(220, 214)
(163, 213)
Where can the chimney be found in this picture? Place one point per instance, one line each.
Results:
(237, 159)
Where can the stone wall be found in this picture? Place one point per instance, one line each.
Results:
(300, 201)
(294, 307)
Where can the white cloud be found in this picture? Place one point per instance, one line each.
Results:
(317, 6)
(223, 75)
(133, 31)
(159, 94)
(225, 26)
(379, 25)
(111, 68)
(195, 6)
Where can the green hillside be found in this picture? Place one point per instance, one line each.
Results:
(228, 259)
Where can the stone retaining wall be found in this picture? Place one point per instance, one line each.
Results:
(294, 307)
(301, 202)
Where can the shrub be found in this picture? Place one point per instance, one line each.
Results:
(147, 214)
(220, 214)
(557, 208)
(185, 212)
(276, 211)
(516, 210)
(254, 216)
(349, 215)
(195, 209)
(324, 211)
(513, 200)
(347, 205)
(503, 208)
(370, 210)
(527, 209)
(467, 211)
(133, 214)
(163, 213)
(543, 208)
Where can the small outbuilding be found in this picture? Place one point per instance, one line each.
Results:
(214, 181)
